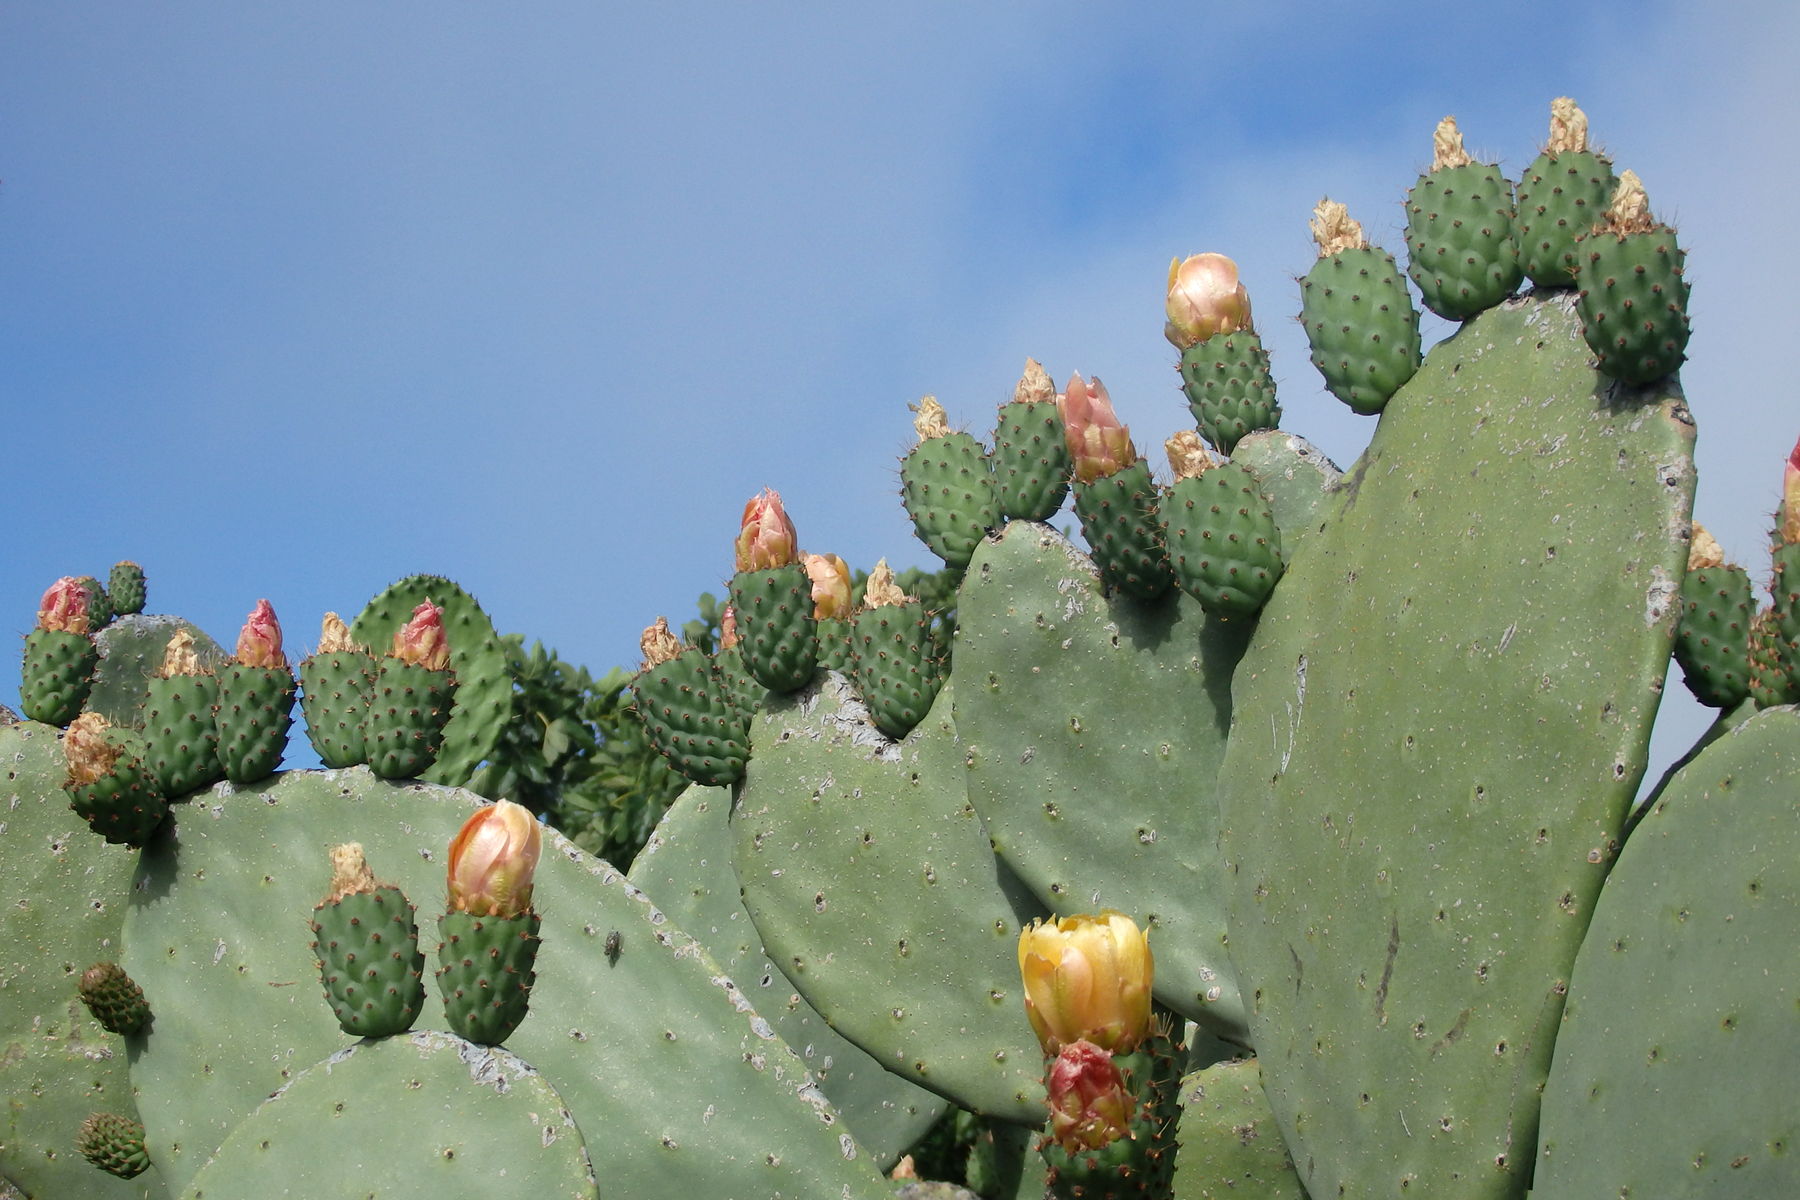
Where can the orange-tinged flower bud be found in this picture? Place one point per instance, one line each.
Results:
(492, 861)
(1087, 978)
(1098, 443)
(1089, 1106)
(64, 606)
(1205, 297)
(767, 537)
(1790, 498)
(830, 585)
(259, 643)
(421, 640)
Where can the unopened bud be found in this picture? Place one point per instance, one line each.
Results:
(1099, 444)
(64, 607)
(766, 537)
(830, 577)
(259, 643)
(1205, 297)
(493, 860)
(421, 640)
(1089, 1106)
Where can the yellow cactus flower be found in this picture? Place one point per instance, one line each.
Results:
(1087, 978)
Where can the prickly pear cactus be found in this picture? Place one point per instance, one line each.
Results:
(1434, 749)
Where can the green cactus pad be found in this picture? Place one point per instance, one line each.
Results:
(1361, 326)
(114, 998)
(835, 653)
(485, 973)
(1031, 461)
(872, 883)
(57, 675)
(181, 741)
(1459, 239)
(1438, 729)
(1064, 695)
(131, 651)
(947, 485)
(63, 900)
(1674, 1063)
(335, 693)
(1712, 643)
(127, 804)
(422, 1117)
(113, 1143)
(1560, 197)
(256, 709)
(609, 1036)
(897, 672)
(1222, 540)
(1634, 302)
(1784, 595)
(125, 585)
(367, 944)
(685, 870)
(1141, 1164)
(1294, 475)
(1229, 389)
(484, 682)
(1119, 520)
(409, 709)
(777, 634)
(693, 719)
(1231, 1148)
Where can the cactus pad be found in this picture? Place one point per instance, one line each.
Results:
(1634, 301)
(896, 670)
(113, 1143)
(1228, 387)
(1031, 461)
(125, 586)
(336, 689)
(1361, 326)
(181, 740)
(256, 707)
(410, 707)
(778, 635)
(947, 484)
(1222, 540)
(693, 719)
(57, 675)
(369, 961)
(485, 973)
(1459, 239)
(1560, 197)
(1713, 641)
(1119, 520)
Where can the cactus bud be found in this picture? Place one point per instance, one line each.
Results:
(114, 998)
(1204, 297)
(1089, 1106)
(113, 1143)
(1704, 552)
(1098, 444)
(658, 644)
(929, 420)
(767, 537)
(259, 643)
(1087, 978)
(1788, 521)
(1034, 386)
(421, 640)
(90, 756)
(830, 577)
(64, 607)
(492, 861)
(1188, 456)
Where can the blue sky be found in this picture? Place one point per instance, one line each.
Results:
(297, 300)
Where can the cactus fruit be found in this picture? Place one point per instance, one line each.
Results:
(1561, 196)
(256, 700)
(1222, 538)
(60, 656)
(1359, 317)
(1224, 368)
(1634, 295)
(1114, 495)
(110, 785)
(125, 586)
(368, 949)
(411, 698)
(897, 672)
(337, 683)
(116, 1001)
(491, 930)
(1459, 231)
(947, 484)
(179, 731)
(832, 606)
(113, 1143)
(689, 710)
(1712, 643)
(772, 597)
(1113, 1140)
(1031, 457)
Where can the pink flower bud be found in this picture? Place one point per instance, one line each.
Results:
(830, 585)
(1790, 499)
(1098, 443)
(1205, 297)
(259, 644)
(767, 537)
(493, 859)
(1089, 1106)
(421, 640)
(64, 607)
(728, 631)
